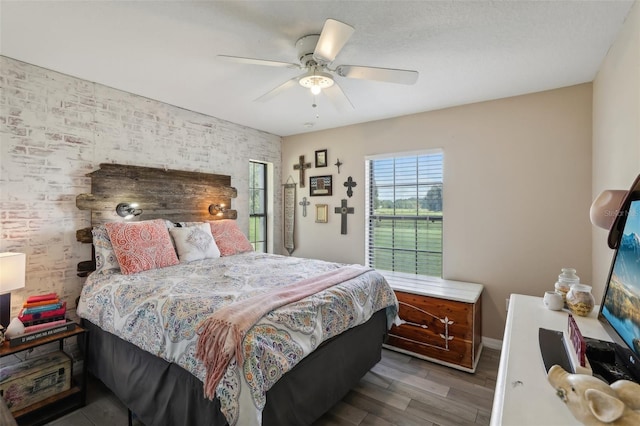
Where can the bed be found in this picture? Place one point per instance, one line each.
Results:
(146, 326)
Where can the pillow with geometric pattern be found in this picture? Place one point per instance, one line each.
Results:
(106, 261)
(194, 242)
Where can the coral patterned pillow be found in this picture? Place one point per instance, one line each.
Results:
(229, 237)
(140, 246)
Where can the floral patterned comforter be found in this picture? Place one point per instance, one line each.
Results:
(159, 311)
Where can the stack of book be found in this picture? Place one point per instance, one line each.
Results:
(43, 315)
(42, 309)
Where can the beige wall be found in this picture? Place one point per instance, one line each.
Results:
(517, 190)
(616, 129)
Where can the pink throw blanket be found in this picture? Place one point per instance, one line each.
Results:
(221, 334)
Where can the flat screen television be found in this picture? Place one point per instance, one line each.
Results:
(620, 308)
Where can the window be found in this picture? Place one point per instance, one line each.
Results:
(258, 205)
(404, 213)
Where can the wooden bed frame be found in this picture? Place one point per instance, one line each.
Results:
(302, 395)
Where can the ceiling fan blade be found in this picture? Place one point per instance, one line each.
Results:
(338, 98)
(380, 74)
(274, 92)
(333, 37)
(253, 61)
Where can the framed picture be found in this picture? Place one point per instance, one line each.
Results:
(321, 158)
(320, 185)
(322, 213)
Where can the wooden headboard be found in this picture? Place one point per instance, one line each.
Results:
(175, 195)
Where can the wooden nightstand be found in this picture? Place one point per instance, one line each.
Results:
(61, 403)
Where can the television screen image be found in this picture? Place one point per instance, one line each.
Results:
(621, 302)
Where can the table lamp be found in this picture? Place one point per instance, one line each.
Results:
(12, 269)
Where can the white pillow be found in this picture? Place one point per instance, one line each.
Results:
(194, 243)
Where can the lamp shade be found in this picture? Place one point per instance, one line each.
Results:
(12, 270)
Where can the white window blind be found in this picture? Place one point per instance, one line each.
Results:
(404, 213)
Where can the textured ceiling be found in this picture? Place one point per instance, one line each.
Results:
(465, 51)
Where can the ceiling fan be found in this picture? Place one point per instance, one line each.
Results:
(316, 54)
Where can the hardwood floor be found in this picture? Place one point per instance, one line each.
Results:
(399, 390)
(403, 390)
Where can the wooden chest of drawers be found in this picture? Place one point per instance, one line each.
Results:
(441, 320)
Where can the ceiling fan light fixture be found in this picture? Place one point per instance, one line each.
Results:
(316, 81)
(316, 53)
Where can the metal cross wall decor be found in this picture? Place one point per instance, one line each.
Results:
(344, 210)
(301, 166)
(304, 203)
(338, 164)
(350, 183)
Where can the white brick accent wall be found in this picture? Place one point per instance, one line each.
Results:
(54, 129)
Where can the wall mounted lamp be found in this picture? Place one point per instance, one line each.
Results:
(12, 269)
(217, 209)
(128, 210)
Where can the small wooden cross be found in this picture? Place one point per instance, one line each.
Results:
(344, 210)
(304, 203)
(350, 184)
(338, 164)
(302, 166)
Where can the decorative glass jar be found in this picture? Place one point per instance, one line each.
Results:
(580, 300)
(569, 275)
(566, 279)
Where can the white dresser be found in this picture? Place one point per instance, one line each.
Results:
(523, 395)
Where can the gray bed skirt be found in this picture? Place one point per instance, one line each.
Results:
(163, 393)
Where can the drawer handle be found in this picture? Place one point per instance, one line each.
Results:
(446, 321)
(415, 324)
